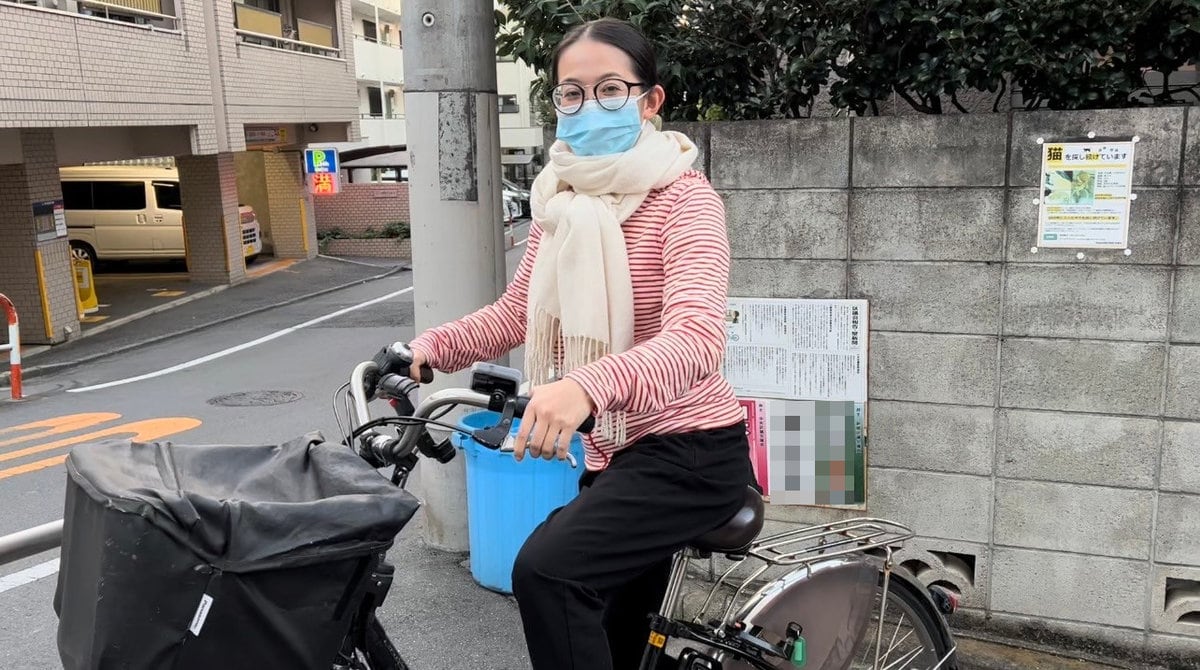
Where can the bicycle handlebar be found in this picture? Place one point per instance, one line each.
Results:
(588, 425)
(411, 434)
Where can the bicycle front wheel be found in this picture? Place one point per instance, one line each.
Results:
(376, 651)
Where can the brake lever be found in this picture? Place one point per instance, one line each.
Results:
(499, 437)
(510, 444)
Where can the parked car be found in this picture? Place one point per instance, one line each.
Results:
(512, 210)
(134, 213)
(518, 195)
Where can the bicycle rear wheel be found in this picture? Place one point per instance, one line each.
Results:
(911, 636)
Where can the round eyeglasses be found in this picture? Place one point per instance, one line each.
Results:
(610, 94)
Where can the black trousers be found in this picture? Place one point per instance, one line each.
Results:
(588, 576)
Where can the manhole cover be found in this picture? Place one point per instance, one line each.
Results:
(255, 399)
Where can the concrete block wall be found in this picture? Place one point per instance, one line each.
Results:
(1034, 417)
(381, 248)
(362, 206)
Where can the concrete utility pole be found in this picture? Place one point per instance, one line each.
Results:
(454, 196)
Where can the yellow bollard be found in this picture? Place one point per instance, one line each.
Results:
(85, 288)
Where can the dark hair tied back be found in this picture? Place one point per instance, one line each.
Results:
(619, 34)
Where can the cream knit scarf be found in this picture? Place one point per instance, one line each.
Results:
(580, 293)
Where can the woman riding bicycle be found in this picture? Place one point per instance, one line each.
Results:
(620, 301)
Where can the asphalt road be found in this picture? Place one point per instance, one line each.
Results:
(438, 617)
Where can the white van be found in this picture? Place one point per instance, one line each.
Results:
(133, 213)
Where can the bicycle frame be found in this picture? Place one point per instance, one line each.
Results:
(830, 581)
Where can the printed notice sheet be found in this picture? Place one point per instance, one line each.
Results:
(800, 370)
(1086, 194)
(797, 349)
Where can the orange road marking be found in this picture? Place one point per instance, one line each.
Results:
(140, 431)
(57, 426)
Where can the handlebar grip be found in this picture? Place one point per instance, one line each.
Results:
(587, 426)
(426, 374)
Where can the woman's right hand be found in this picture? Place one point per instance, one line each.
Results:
(419, 360)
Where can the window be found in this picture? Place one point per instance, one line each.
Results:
(375, 100)
(166, 193)
(394, 40)
(269, 5)
(119, 195)
(77, 194)
(508, 104)
(370, 31)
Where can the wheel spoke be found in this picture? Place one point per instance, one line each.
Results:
(892, 644)
(904, 659)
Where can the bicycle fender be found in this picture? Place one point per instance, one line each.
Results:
(832, 600)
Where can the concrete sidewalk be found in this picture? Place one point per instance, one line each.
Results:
(207, 308)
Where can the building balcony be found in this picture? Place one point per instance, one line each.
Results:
(384, 131)
(376, 62)
(272, 29)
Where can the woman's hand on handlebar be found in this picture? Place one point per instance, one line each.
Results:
(420, 366)
(554, 413)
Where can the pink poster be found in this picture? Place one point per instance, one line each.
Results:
(757, 433)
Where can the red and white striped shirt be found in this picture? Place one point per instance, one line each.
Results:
(670, 380)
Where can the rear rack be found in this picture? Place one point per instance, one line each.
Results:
(852, 536)
(806, 546)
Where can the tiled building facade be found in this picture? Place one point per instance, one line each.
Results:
(198, 81)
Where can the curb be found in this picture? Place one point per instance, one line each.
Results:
(116, 323)
(984, 652)
(33, 371)
(403, 266)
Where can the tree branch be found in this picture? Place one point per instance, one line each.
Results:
(924, 109)
(1000, 96)
(957, 104)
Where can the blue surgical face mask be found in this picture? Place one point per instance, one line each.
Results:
(595, 131)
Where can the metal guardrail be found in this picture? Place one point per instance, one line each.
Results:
(30, 542)
(14, 345)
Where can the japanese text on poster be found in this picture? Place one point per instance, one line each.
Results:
(797, 349)
(800, 370)
(1086, 188)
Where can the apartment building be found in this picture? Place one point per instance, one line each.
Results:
(230, 89)
(379, 68)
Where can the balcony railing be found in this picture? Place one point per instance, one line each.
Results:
(266, 28)
(149, 14)
(391, 115)
(383, 42)
(255, 20)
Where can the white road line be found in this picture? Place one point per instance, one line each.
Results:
(241, 347)
(28, 575)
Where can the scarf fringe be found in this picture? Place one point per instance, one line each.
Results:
(550, 356)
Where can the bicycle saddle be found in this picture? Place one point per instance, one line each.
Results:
(735, 535)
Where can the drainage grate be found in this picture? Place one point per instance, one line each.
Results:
(256, 399)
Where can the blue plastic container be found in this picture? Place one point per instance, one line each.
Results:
(506, 500)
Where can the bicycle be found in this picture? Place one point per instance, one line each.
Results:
(835, 579)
